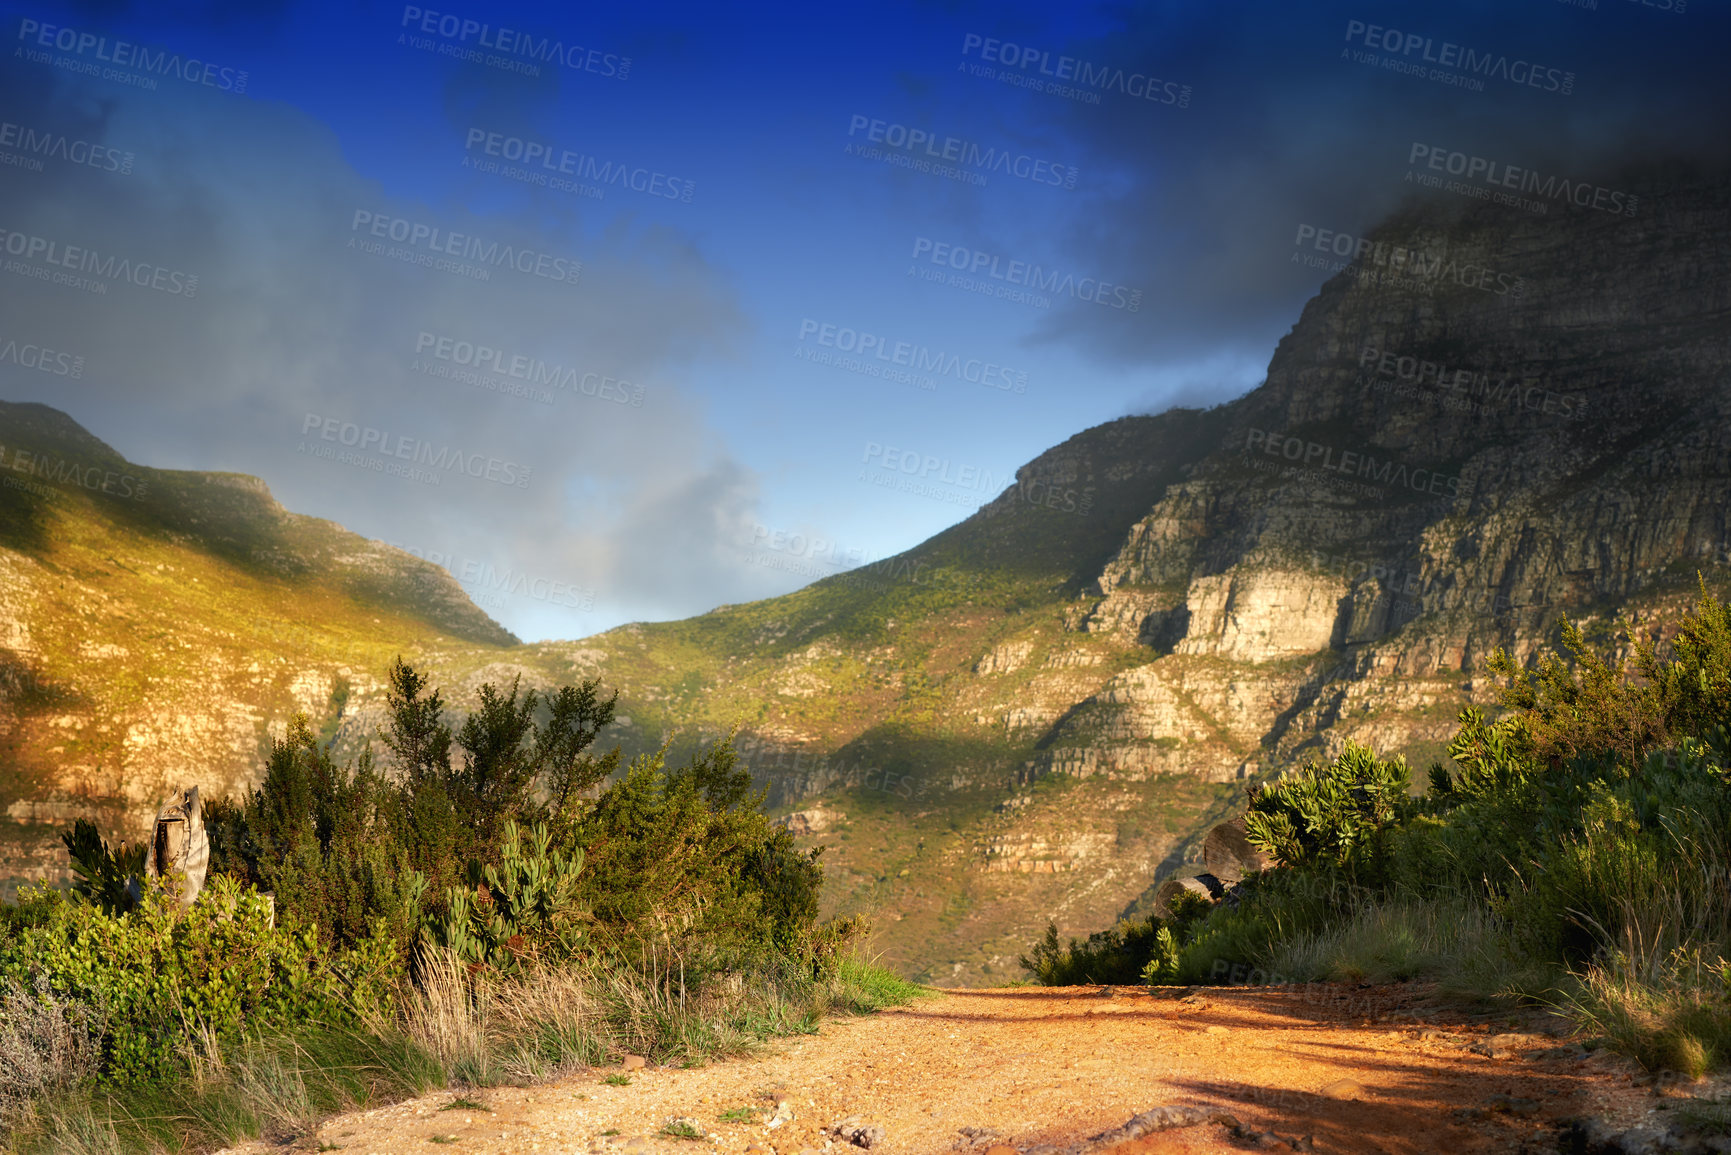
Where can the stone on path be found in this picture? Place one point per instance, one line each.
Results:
(857, 1131)
(1343, 1089)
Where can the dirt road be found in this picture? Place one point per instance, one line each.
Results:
(1327, 1068)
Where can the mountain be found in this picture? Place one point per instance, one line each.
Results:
(1488, 420)
(155, 625)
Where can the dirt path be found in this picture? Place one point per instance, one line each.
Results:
(1385, 1069)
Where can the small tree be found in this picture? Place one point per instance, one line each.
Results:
(1333, 814)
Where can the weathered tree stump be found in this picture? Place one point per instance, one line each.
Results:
(179, 844)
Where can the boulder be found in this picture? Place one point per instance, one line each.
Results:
(1227, 852)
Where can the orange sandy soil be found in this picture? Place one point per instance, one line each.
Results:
(1061, 1065)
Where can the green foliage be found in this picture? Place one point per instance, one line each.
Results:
(1330, 815)
(363, 856)
(524, 908)
(278, 1087)
(1161, 969)
(497, 838)
(860, 987)
(678, 859)
(826, 947)
(1588, 707)
(109, 877)
(683, 859)
(1675, 1016)
(163, 978)
(1694, 687)
(1144, 951)
(327, 842)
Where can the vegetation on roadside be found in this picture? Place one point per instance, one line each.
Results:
(1576, 851)
(495, 903)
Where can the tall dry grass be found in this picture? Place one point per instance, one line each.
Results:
(47, 1045)
(452, 1028)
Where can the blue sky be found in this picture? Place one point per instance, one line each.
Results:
(685, 442)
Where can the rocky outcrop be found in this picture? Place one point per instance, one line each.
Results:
(1428, 473)
(1260, 615)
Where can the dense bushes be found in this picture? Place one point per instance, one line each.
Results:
(160, 978)
(661, 859)
(1584, 840)
(523, 909)
(483, 877)
(1333, 815)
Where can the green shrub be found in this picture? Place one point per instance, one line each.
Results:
(524, 908)
(161, 977)
(1331, 815)
(683, 861)
(109, 877)
(322, 839)
(1584, 839)
(1141, 951)
(675, 861)
(362, 855)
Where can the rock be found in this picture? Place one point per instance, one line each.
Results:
(1227, 852)
(1594, 1136)
(1001, 1149)
(633, 1063)
(1494, 1047)
(1203, 886)
(855, 1130)
(1215, 1031)
(1510, 1105)
(813, 821)
(1343, 1089)
(1643, 1141)
(1164, 1119)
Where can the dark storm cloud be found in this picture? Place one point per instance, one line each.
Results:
(1282, 130)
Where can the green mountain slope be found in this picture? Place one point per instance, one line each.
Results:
(156, 625)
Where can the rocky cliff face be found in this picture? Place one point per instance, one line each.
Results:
(1037, 713)
(1432, 471)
